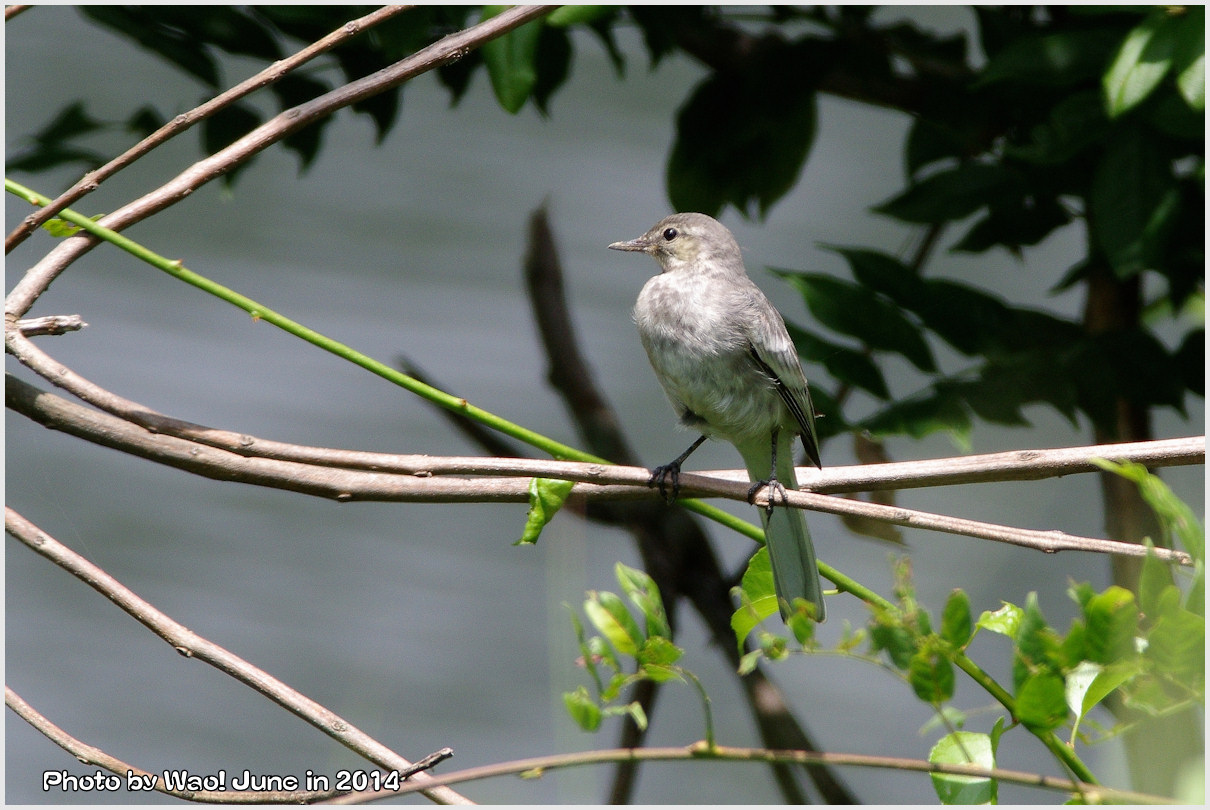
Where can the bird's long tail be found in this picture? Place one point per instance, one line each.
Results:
(791, 553)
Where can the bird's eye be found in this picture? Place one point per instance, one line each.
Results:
(670, 234)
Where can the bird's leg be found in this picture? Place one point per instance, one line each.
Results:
(775, 488)
(672, 469)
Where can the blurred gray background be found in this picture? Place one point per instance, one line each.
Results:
(422, 624)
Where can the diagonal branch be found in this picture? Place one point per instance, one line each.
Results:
(184, 121)
(191, 645)
(446, 50)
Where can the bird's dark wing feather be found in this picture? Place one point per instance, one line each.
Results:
(780, 366)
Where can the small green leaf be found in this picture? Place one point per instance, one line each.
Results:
(1109, 679)
(897, 641)
(1177, 645)
(1042, 702)
(546, 498)
(583, 709)
(1111, 619)
(565, 16)
(931, 675)
(1154, 579)
(510, 60)
(660, 651)
(757, 596)
(956, 619)
(60, 228)
(964, 748)
(1004, 621)
(749, 661)
(1076, 684)
(645, 595)
(608, 614)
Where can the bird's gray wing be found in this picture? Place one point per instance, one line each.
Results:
(771, 349)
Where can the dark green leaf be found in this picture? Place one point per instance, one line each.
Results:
(854, 310)
(1133, 202)
(1154, 579)
(931, 675)
(1191, 361)
(1042, 702)
(552, 61)
(1036, 645)
(897, 641)
(1058, 59)
(292, 90)
(1189, 56)
(956, 619)
(949, 194)
(1074, 124)
(144, 121)
(919, 416)
(845, 364)
(742, 137)
(929, 142)
(225, 127)
(142, 25)
(1111, 619)
(1015, 224)
(511, 61)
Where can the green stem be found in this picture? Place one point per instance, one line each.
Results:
(458, 405)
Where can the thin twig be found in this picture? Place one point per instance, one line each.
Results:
(354, 485)
(50, 325)
(191, 645)
(184, 121)
(91, 755)
(1090, 793)
(444, 51)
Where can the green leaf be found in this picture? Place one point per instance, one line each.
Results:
(1154, 579)
(853, 310)
(645, 595)
(583, 709)
(608, 614)
(1133, 202)
(1174, 514)
(659, 651)
(956, 619)
(942, 410)
(897, 641)
(757, 596)
(750, 661)
(546, 498)
(1112, 621)
(743, 137)
(60, 228)
(510, 60)
(1060, 59)
(845, 364)
(950, 194)
(1189, 57)
(1042, 702)
(1143, 59)
(1005, 621)
(565, 16)
(1177, 646)
(1077, 682)
(1107, 681)
(931, 675)
(964, 748)
(1037, 643)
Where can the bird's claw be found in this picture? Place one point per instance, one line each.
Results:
(776, 490)
(659, 478)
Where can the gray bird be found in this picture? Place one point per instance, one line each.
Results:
(723, 356)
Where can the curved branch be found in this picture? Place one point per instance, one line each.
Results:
(355, 485)
(191, 645)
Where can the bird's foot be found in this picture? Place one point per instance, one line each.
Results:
(660, 477)
(776, 490)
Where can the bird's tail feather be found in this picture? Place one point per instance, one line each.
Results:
(791, 552)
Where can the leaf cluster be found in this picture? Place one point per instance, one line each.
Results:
(647, 640)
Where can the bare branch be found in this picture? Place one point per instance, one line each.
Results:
(50, 325)
(191, 645)
(445, 50)
(355, 485)
(184, 121)
(91, 755)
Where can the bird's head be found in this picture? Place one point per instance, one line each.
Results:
(693, 242)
